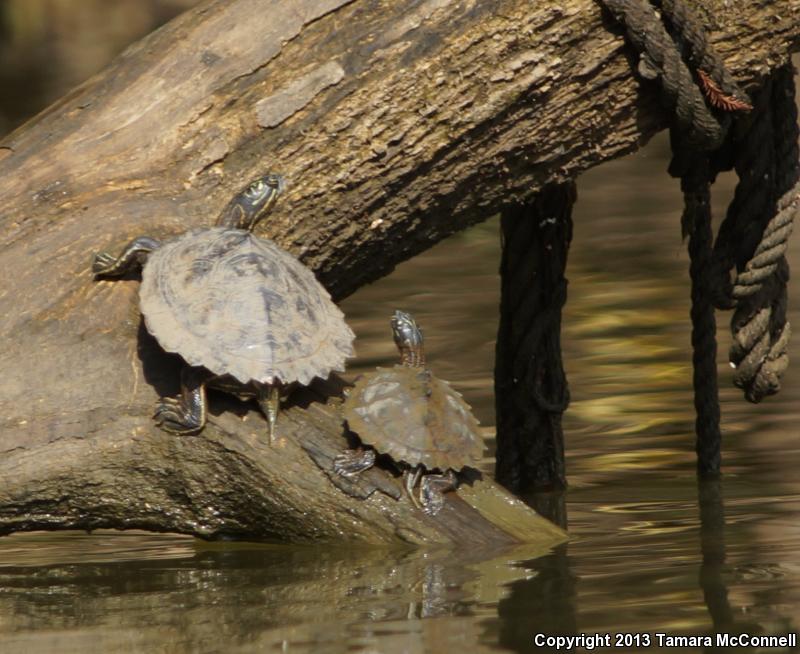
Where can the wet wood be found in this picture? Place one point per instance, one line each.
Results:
(395, 124)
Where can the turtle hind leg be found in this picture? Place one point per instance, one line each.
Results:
(184, 413)
(411, 478)
(269, 399)
(432, 490)
(351, 462)
(132, 257)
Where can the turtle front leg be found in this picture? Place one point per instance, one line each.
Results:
(132, 257)
(185, 413)
(352, 462)
(269, 399)
(432, 490)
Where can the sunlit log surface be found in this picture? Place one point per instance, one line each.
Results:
(395, 124)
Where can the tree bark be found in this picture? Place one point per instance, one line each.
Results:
(395, 124)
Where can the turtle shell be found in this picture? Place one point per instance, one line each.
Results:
(239, 305)
(415, 418)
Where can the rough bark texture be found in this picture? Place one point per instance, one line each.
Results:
(396, 123)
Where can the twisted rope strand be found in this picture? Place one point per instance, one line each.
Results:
(716, 81)
(661, 61)
(696, 188)
(531, 390)
(770, 181)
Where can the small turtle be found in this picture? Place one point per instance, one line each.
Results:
(246, 316)
(415, 418)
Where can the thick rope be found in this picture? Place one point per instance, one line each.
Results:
(531, 389)
(753, 237)
(696, 221)
(689, 33)
(741, 230)
(763, 211)
(692, 117)
(660, 61)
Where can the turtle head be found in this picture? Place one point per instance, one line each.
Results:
(252, 203)
(408, 339)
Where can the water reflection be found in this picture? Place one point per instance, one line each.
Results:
(712, 545)
(110, 591)
(646, 580)
(542, 604)
(678, 559)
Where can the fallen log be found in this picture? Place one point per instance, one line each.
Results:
(394, 126)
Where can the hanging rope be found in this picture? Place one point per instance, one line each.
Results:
(696, 224)
(754, 236)
(531, 389)
(762, 147)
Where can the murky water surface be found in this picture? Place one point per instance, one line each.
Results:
(651, 550)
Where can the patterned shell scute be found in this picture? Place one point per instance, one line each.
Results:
(415, 418)
(239, 305)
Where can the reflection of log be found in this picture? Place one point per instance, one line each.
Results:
(207, 597)
(395, 125)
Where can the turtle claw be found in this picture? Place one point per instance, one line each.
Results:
(132, 257)
(432, 499)
(432, 489)
(352, 462)
(173, 416)
(411, 479)
(103, 263)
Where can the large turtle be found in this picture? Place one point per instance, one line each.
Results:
(246, 315)
(415, 418)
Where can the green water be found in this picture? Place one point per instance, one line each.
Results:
(651, 551)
